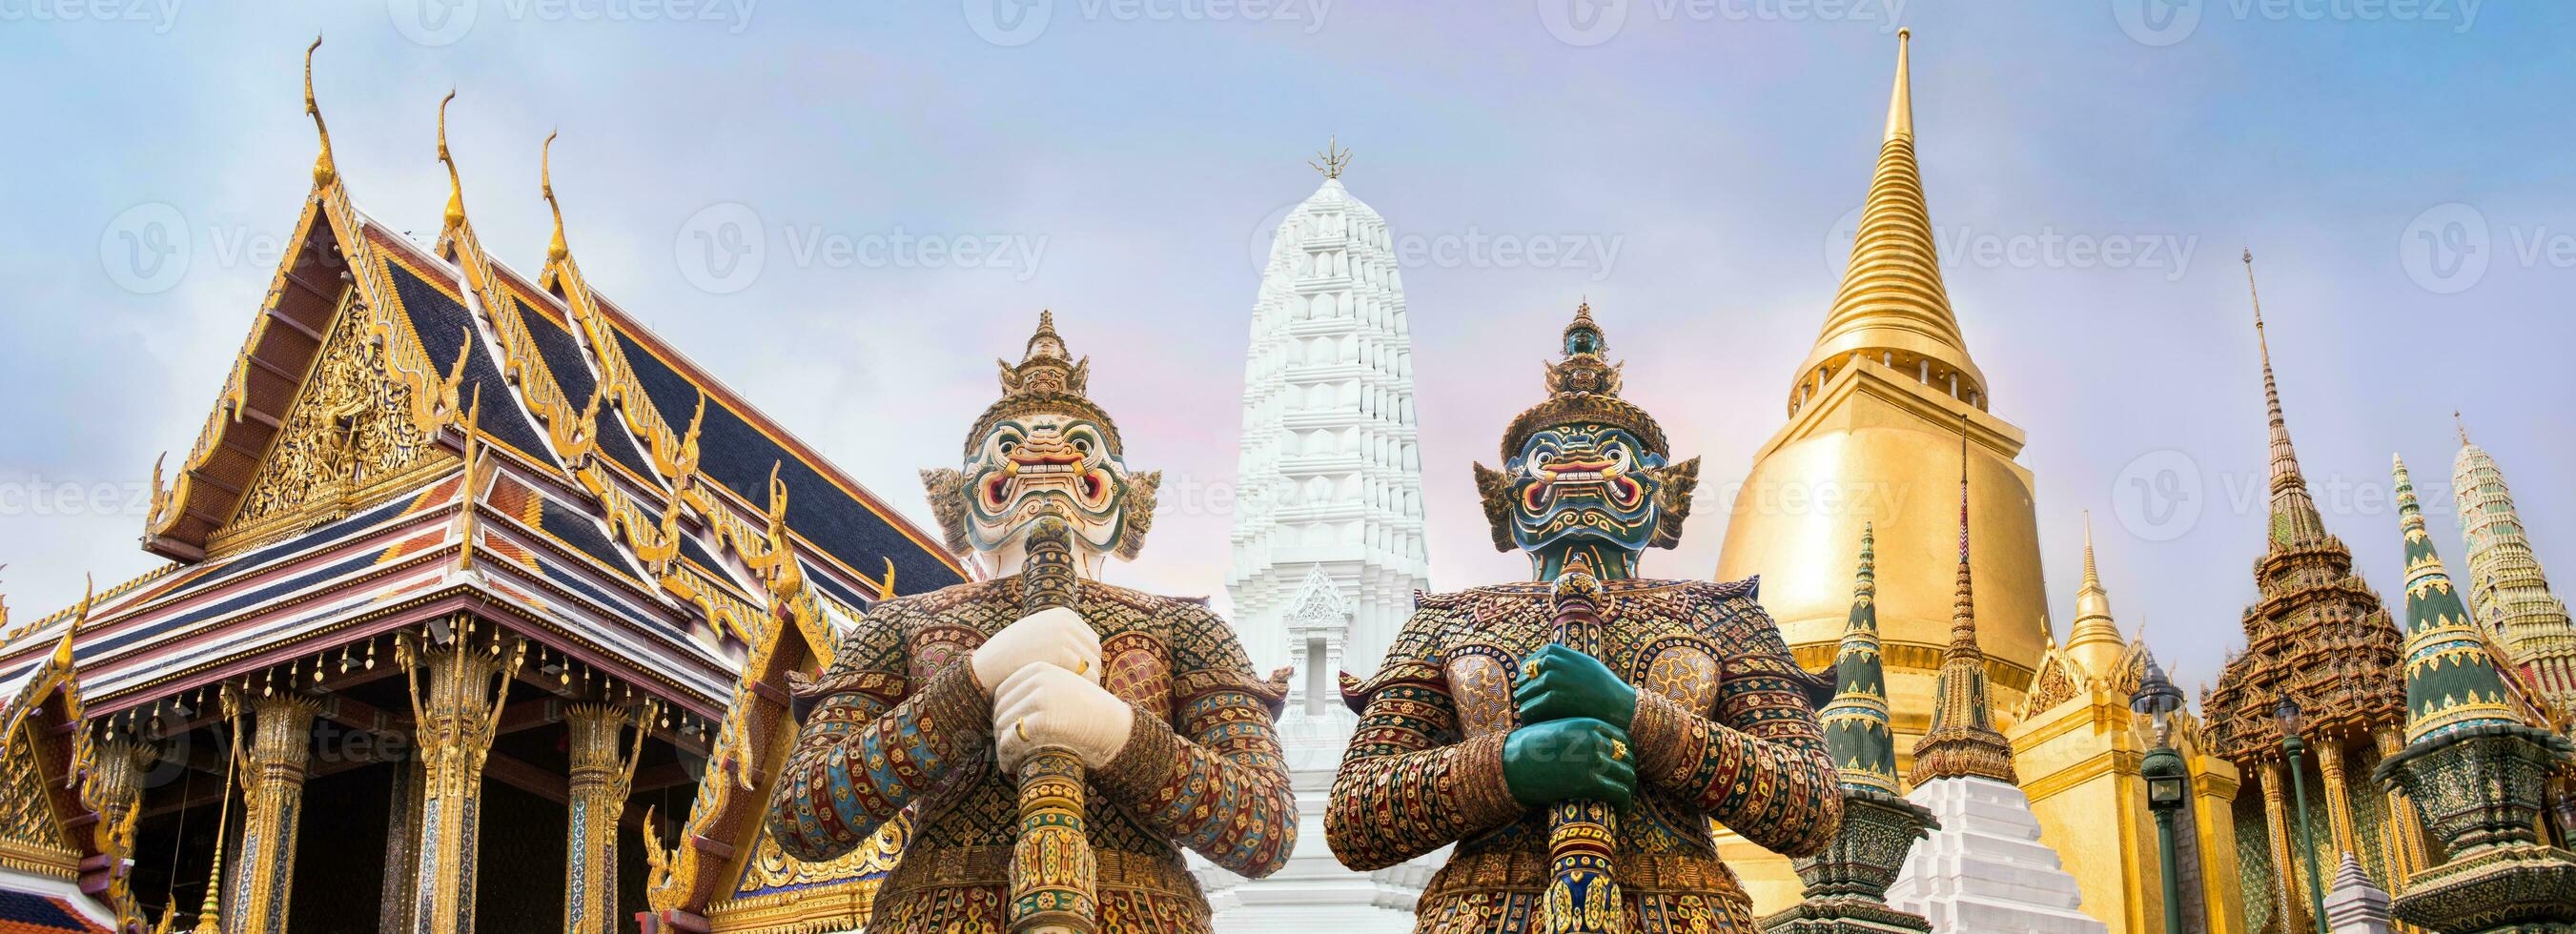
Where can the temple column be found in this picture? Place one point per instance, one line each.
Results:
(2406, 855)
(601, 778)
(2285, 865)
(402, 853)
(115, 786)
(273, 771)
(458, 709)
(2338, 805)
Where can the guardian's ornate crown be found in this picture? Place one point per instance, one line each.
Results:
(1584, 387)
(1047, 379)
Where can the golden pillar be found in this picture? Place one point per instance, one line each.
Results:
(457, 708)
(273, 771)
(2285, 864)
(601, 779)
(2405, 827)
(2214, 785)
(2338, 807)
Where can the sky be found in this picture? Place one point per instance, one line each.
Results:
(923, 177)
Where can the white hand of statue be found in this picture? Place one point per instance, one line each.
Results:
(1043, 705)
(1055, 636)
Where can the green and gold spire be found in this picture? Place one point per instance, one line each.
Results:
(1857, 734)
(2451, 680)
(1962, 741)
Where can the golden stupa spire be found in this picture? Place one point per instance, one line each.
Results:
(555, 249)
(1900, 102)
(323, 169)
(2463, 426)
(1891, 307)
(455, 215)
(2094, 639)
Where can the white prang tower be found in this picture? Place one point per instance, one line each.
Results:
(1327, 537)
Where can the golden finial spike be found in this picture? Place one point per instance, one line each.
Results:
(1332, 159)
(80, 616)
(1900, 102)
(2463, 425)
(455, 186)
(323, 169)
(555, 249)
(2092, 578)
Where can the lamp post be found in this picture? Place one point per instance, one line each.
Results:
(2290, 719)
(2157, 699)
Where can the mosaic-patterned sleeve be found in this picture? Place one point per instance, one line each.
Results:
(1409, 784)
(1759, 766)
(1212, 778)
(874, 743)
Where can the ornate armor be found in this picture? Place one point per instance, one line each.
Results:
(1721, 727)
(903, 727)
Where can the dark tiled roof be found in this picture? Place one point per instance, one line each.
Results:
(572, 374)
(571, 580)
(834, 589)
(578, 531)
(738, 455)
(25, 912)
(697, 553)
(306, 542)
(230, 605)
(442, 324)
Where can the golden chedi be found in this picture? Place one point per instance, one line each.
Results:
(1873, 434)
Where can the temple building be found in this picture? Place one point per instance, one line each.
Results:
(1328, 538)
(1874, 413)
(459, 548)
(2506, 589)
(2318, 636)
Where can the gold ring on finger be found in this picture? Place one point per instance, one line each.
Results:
(1022, 727)
(1618, 750)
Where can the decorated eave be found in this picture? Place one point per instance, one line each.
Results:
(61, 851)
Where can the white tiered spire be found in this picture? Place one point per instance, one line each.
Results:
(1330, 477)
(1327, 537)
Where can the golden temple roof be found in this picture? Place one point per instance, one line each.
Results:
(1891, 304)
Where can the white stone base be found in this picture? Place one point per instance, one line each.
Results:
(1314, 893)
(1986, 871)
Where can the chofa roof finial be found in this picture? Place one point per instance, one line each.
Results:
(323, 169)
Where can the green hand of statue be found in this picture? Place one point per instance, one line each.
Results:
(1569, 760)
(1558, 683)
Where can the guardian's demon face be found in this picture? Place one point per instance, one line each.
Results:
(1584, 481)
(1039, 458)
